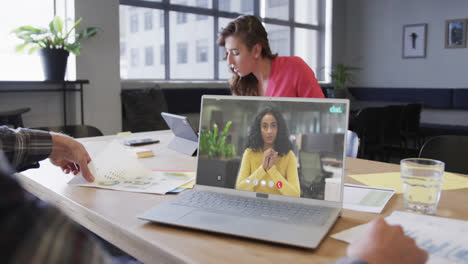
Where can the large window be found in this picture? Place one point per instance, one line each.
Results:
(188, 29)
(13, 14)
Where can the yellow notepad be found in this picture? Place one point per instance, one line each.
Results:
(392, 180)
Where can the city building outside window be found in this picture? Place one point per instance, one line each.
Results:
(181, 18)
(134, 57)
(182, 53)
(204, 4)
(186, 46)
(275, 3)
(162, 51)
(122, 49)
(149, 56)
(224, 5)
(161, 18)
(148, 20)
(202, 50)
(134, 23)
(246, 5)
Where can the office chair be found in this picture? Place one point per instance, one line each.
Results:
(352, 144)
(409, 129)
(451, 149)
(141, 109)
(76, 131)
(369, 128)
(13, 117)
(312, 174)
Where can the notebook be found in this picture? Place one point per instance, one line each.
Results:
(185, 138)
(262, 170)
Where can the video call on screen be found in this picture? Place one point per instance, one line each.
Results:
(316, 132)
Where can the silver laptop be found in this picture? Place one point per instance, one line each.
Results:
(268, 168)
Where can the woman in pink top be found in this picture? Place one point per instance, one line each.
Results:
(256, 70)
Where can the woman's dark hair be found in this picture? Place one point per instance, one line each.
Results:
(250, 31)
(255, 141)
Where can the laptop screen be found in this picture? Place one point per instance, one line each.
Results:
(283, 146)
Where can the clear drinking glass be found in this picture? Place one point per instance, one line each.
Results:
(422, 184)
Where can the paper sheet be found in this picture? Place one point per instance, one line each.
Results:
(446, 240)
(392, 180)
(191, 174)
(117, 169)
(365, 198)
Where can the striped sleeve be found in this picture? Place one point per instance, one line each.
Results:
(25, 147)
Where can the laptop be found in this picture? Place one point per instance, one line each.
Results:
(277, 196)
(185, 138)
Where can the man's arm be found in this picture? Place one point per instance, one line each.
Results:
(25, 147)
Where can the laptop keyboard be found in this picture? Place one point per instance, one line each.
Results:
(257, 208)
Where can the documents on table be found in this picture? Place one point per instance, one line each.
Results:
(188, 185)
(366, 198)
(113, 168)
(392, 180)
(446, 240)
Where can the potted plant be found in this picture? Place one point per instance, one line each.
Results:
(342, 76)
(54, 44)
(217, 165)
(215, 146)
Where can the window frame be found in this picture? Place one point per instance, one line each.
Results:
(166, 7)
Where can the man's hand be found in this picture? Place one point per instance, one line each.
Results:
(70, 155)
(383, 243)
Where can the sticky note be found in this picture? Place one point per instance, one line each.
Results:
(124, 133)
(145, 154)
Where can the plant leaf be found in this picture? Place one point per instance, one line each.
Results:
(89, 32)
(71, 29)
(21, 47)
(33, 49)
(29, 29)
(58, 26)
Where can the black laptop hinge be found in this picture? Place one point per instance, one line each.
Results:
(262, 195)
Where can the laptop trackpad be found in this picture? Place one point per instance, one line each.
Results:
(166, 214)
(226, 223)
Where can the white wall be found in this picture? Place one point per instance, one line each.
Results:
(99, 62)
(373, 41)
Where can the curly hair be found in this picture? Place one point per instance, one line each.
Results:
(255, 141)
(250, 31)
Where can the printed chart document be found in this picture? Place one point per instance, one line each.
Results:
(366, 198)
(113, 168)
(446, 240)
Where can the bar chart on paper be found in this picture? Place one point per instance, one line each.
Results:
(446, 240)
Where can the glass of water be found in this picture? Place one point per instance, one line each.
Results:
(422, 184)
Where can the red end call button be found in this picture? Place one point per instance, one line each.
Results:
(279, 185)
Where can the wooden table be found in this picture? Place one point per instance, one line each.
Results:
(112, 215)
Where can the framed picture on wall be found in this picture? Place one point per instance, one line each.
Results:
(455, 33)
(414, 41)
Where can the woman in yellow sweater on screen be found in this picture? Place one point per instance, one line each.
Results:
(269, 164)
